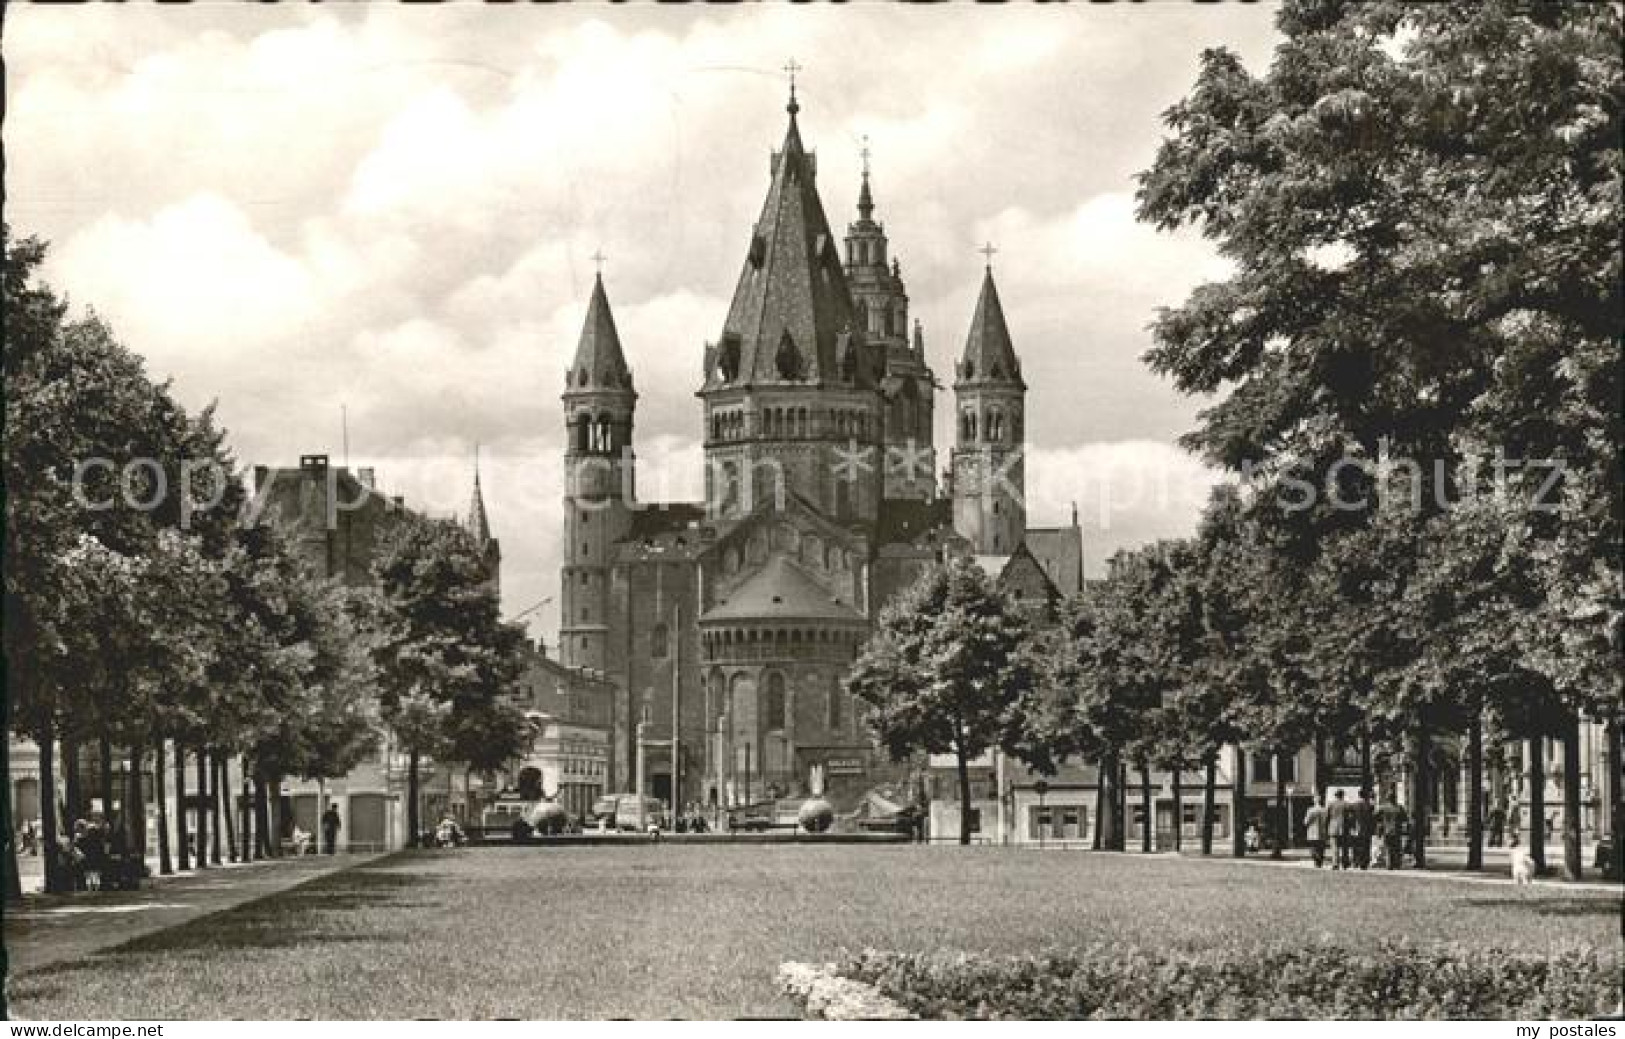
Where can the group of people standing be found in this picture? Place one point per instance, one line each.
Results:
(1348, 829)
(97, 856)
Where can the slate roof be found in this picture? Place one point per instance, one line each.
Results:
(781, 590)
(479, 526)
(791, 320)
(990, 356)
(599, 362)
(1060, 551)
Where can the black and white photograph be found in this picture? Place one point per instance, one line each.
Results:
(662, 513)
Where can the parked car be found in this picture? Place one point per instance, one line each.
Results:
(781, 814)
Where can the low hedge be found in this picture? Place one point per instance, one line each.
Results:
(1318, 981)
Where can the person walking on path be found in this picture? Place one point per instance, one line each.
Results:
(1337, 827)
(1314, 823)
(1363, 815)
(330, 829)
(1391, 820)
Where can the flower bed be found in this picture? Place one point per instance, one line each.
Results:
(1317, 980)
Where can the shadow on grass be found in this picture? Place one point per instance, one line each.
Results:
(1549, 906)
(319, 912)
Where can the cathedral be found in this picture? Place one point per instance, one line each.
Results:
(726, 625)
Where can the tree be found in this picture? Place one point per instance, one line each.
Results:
(944, 673)
(80, 411)
(1421, 203)
(446, 660)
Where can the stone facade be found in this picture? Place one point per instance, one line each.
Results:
(726, 625)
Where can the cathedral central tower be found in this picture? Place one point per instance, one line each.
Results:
(791, 390)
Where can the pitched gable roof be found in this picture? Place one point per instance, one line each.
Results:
(781, 590)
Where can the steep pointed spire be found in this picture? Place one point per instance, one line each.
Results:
(478, 525)
(599, 363)
(989, 355)
(792, 283)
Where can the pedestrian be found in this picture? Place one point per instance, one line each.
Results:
(1498, 822)
(1337, 828)
(1314, 823)
(1364, 819)
(1392, 821)
(1514, 824)
(330, 829)
(92, 847)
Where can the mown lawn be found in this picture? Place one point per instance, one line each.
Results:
(698, 932)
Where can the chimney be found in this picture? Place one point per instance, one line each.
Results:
(313, 463)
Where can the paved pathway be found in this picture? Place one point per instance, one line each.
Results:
(1446, 864)
(47, 929)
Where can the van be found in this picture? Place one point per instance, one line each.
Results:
(626, 813)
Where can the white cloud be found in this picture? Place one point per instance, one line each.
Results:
(298, 208)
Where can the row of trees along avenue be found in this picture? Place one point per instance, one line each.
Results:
(1413, 380)
(187, 641)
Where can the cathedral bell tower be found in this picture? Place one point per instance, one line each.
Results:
(989, 473)
(598, 465)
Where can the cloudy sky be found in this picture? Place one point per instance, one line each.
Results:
(290, 210)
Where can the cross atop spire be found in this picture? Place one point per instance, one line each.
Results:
(792, 68)
(987, 250)
(864, 151)
(598, 259)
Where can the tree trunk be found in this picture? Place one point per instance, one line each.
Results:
(182, 852)
(962, 765)
(135, 812)
(1147, 808)
(166, 865)
(277, 831)
(1422, 785)
(1238, 802)
(74, 789)
(203, 809)
(222, 784)
(413, 826)
(1537, 802)
(1283, 812)
(262, 820)
(1179, 809)
(1320, 767)
(1475, 796)
(104, 747)
(1571, 799)
(1210, 780)
(49, 833)
(245, 809)
(1614, 800)
(1122, 806)
(1367, 780)
(14, 876)
(1100, 806)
